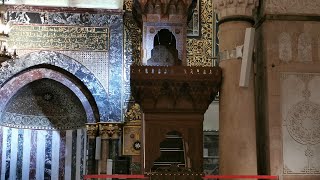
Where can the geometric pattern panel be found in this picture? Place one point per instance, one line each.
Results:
(300, 110)
(41, 154)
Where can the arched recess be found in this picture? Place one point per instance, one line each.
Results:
(42, 127)
(11, 87)
(11, 68)
(41, 138)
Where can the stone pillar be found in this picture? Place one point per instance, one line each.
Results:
(92, 129)
(237, 143)
(103, 131)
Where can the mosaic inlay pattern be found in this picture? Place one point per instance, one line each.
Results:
(44, 104)
(200, 51)
(132, 49)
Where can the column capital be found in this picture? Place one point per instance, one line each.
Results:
(109, 130)
(234, 8)
(92, 129)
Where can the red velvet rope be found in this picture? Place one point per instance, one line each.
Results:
(130, 176)
(122, 176)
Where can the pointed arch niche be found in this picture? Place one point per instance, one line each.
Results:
(164, 50)
(42, 126)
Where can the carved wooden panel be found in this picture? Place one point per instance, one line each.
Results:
(189, 125)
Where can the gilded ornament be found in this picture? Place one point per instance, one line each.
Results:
(92, 129)
(134, 113)
(109, 130)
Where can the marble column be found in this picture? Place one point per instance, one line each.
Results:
(104, 129)
(115, 137)
(92, 129)
(237, 143)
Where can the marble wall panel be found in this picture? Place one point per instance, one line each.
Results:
(300, 107)
(47, 152)
(48, 155)
(1, 147)
(19, 163)
(62, 152)
(8, 154)
(33, 155)
(106, 4)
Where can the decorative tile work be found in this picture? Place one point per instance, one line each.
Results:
(200, 51)
(300, 105)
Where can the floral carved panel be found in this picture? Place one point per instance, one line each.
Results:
(300, 110)
(285, 47)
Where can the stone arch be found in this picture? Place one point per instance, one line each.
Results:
(11, 68)
(15, 84)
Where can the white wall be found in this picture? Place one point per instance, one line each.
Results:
(211, 117)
